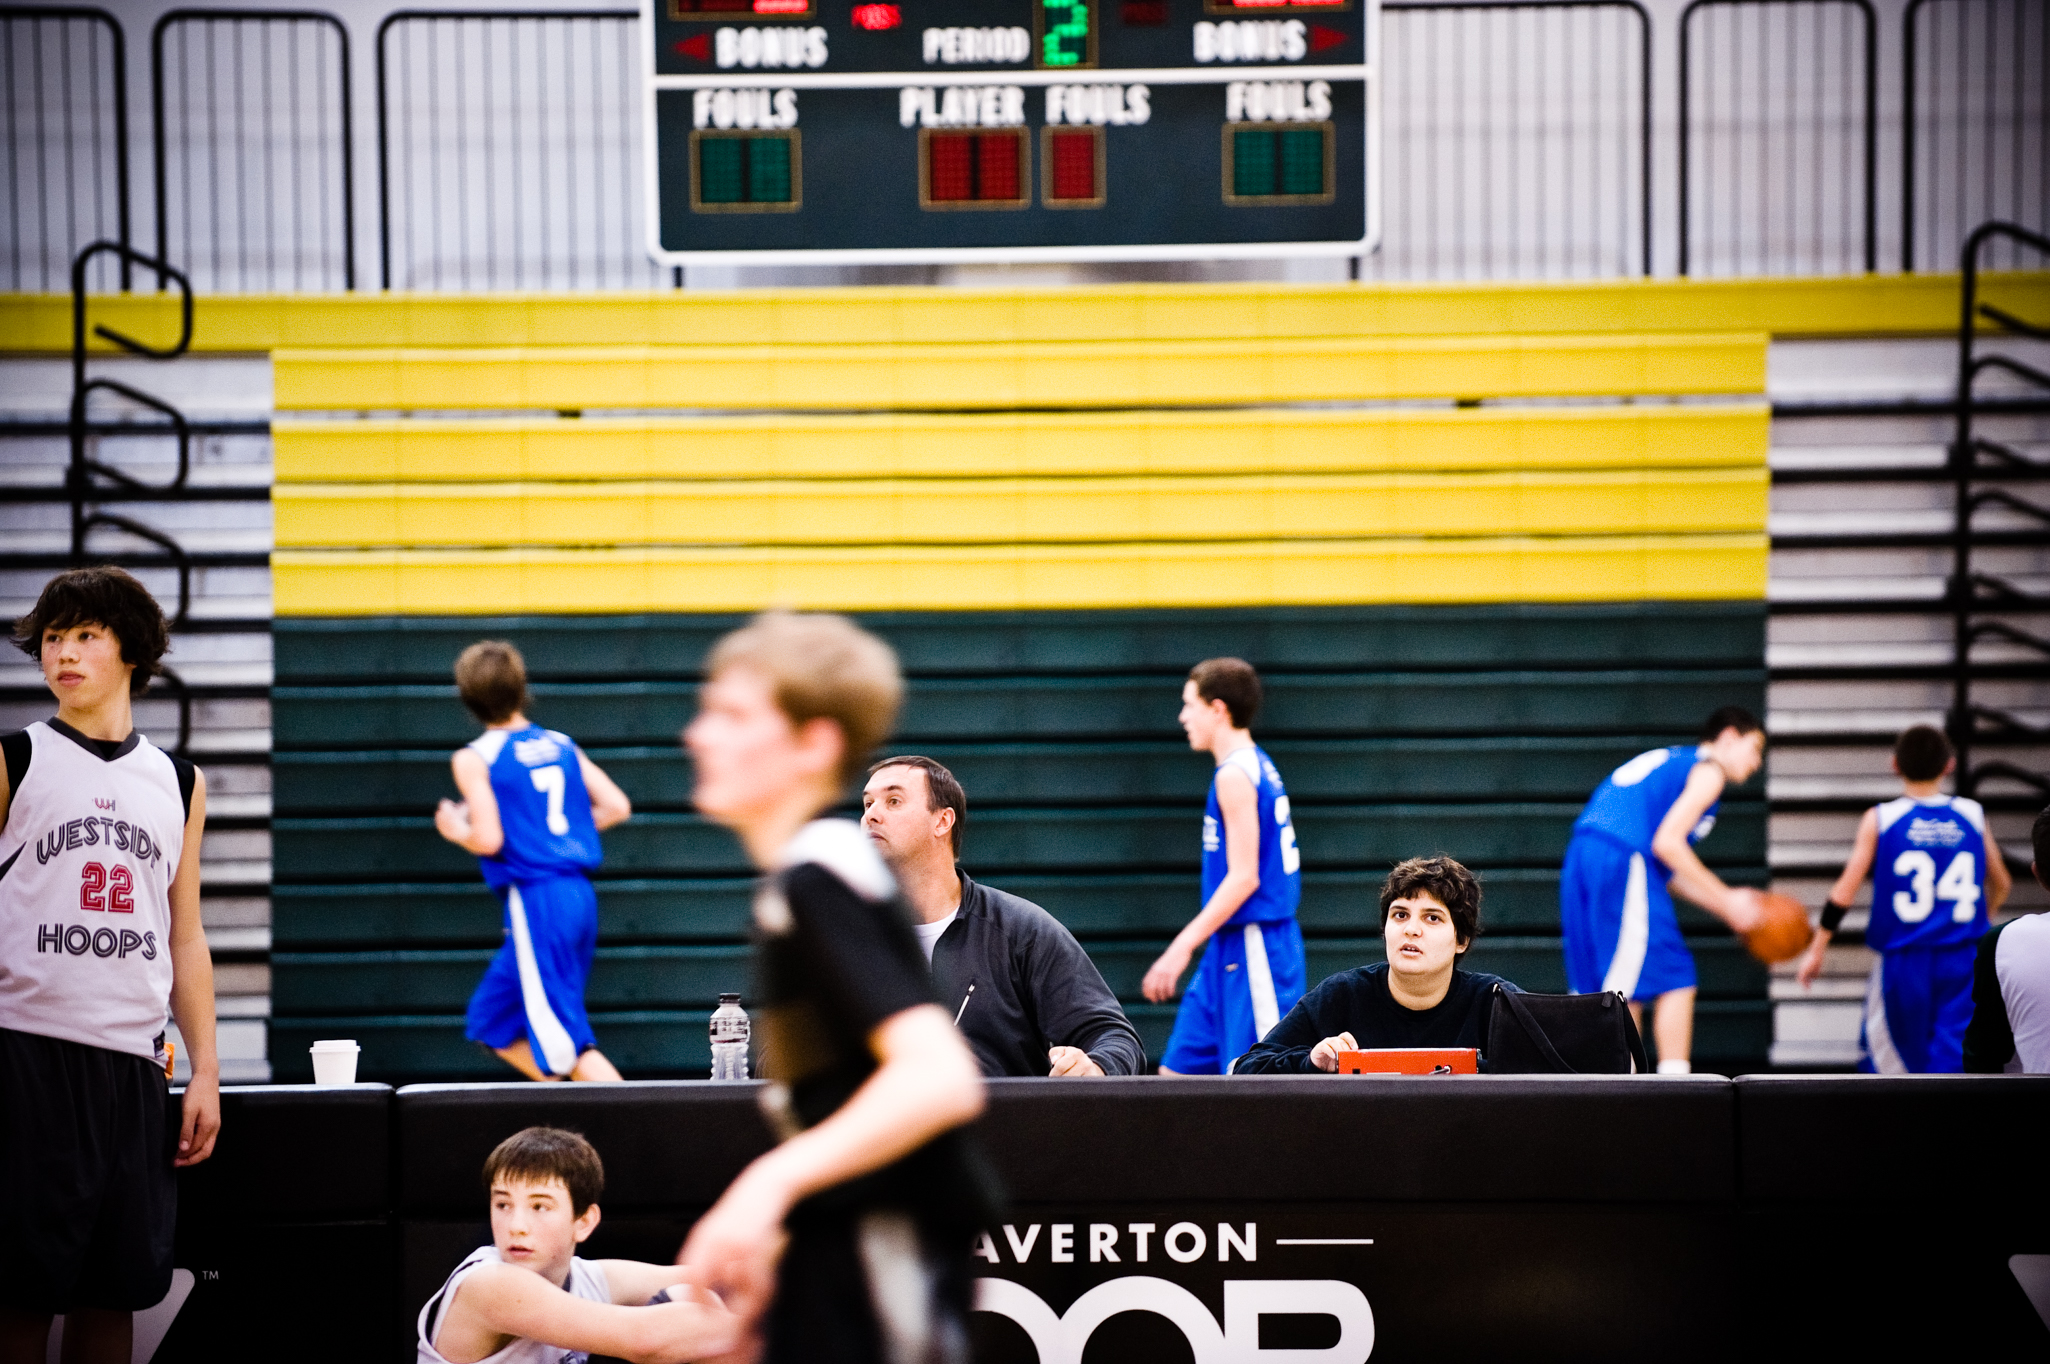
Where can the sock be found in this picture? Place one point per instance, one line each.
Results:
(1676, 1066)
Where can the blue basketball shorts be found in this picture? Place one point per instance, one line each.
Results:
(534, 987)
(1617, 921)
(1250, 975)
(1917, 1007)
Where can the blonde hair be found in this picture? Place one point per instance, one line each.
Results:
(492, 680)
(821, 667)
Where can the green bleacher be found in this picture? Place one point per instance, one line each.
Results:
(1473, 730)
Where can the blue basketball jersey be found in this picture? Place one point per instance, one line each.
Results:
(542, 806)
(1632, 802)
(1929, 878)
(1281, 864)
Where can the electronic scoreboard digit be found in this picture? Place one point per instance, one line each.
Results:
(843, 132)
(854, 131)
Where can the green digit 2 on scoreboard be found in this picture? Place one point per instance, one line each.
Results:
(843, 132)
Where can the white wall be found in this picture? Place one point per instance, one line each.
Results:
(1429, 236)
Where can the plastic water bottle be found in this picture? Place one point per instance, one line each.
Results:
(729, 1039)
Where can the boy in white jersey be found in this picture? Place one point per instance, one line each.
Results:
(527, 1298)
(849, 1242)
(1936, 877)
(99, 935)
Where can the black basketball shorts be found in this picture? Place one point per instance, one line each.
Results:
(88, 1195)
(874, 1288)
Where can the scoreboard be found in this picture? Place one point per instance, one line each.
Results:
(840, 132)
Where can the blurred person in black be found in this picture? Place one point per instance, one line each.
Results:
(848, 1243)
(1419, 997)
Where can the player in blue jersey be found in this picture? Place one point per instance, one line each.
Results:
(1936, 877)
(1254, 971)
(1632, 846)
(532, 806)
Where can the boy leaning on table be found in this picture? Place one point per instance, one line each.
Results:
(528, 1298)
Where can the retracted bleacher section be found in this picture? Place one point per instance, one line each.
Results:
(1468, 604)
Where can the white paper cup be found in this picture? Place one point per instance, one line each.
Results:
(334, 1062)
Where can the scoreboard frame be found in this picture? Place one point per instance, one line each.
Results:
(1365, 72)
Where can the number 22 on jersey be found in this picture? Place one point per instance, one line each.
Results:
(1291, 855)
(1959, 884)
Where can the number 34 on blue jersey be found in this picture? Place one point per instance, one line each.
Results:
(1928, 879)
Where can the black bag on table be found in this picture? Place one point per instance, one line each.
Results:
(1563, 1035)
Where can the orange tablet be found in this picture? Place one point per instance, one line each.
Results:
(1410, 1061)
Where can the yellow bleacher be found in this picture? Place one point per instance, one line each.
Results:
(1859, 305)
(1137, 446)
(983, 375)
(1023, 510)
(929, 444)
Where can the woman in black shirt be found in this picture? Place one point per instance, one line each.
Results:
(1430, 912)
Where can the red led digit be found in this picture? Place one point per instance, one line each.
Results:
(1074, 165)
(951, 175)
(999, 169)
(91, 887)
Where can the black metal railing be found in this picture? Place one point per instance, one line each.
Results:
(80, 474)
(253, 135)
(1779, 137)
(65, 121)
(1474, 185)
(1973, 594)
(1975, 123)
(508, 150)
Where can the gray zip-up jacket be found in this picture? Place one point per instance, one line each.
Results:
(1021, 985)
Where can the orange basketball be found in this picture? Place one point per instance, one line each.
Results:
(1782, 933)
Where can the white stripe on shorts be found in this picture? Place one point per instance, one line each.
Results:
(1635, 935)
(558, 1052)
(1260, 980)
(1886, 1059)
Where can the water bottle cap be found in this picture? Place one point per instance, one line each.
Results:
(729, 999)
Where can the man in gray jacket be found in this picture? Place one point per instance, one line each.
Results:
(1025, 995)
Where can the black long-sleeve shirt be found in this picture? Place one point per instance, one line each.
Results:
(1359, 1002)
(1034, 988)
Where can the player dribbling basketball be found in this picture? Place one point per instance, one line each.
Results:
(1632, 846)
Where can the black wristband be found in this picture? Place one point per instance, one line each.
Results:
(1832, 915)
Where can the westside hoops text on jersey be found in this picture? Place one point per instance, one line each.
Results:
(117, 834)
(103, 887)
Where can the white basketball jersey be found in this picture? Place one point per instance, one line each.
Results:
(586, 1280)
(87, 857)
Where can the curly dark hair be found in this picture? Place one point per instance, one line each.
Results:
(101, 596)
(1453, 885)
